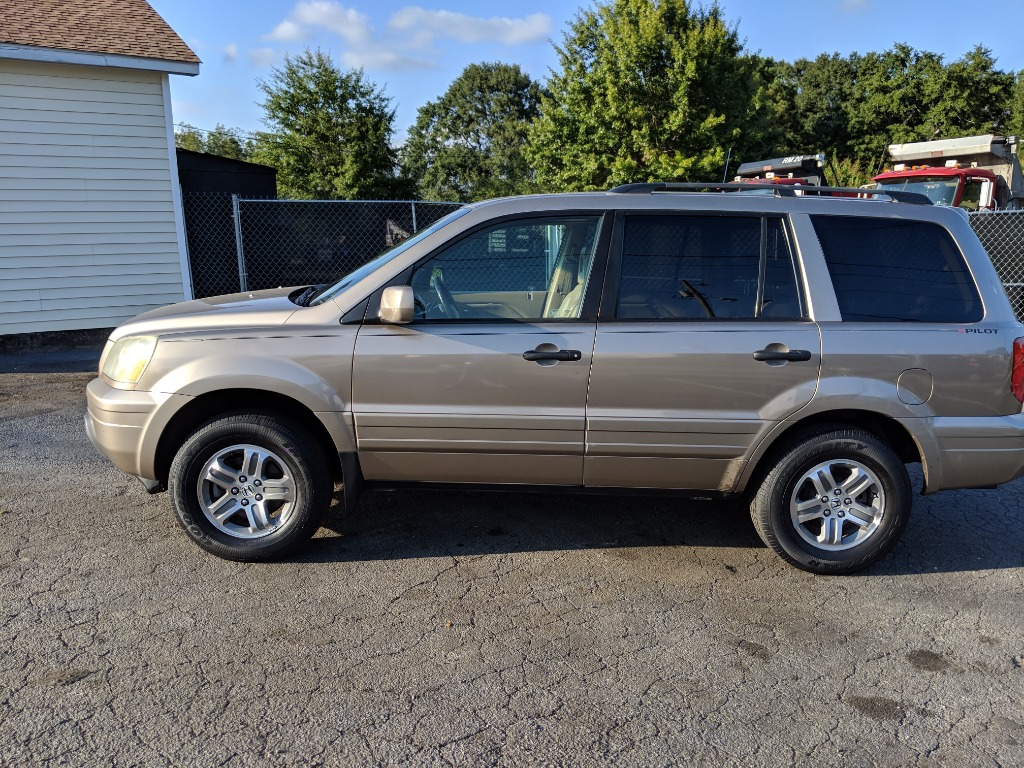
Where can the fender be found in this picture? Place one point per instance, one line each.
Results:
(315, 371)
(874, 397)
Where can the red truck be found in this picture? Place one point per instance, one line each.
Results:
(978, 173)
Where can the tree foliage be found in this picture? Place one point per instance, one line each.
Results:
(853, 107)
(225, 142)
(822, 91)
(328, 133)
(903, 95)
(469, 144)
(1015, 125)
(646, 90)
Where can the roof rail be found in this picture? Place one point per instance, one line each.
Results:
(778, 190)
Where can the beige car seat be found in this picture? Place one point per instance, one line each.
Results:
(570, 306)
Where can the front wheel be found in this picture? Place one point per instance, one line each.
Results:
(834, 502)
(250, 486)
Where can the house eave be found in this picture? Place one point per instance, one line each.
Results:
(86, 58)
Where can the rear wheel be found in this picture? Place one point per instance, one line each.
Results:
(834, 502)
(250, 486)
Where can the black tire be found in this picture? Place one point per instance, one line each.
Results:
(847, 544)
(293, 467)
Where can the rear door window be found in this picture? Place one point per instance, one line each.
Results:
(686, 267)
(895, 270)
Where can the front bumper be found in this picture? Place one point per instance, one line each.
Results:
(125, 426)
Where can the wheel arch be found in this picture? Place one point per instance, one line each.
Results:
(886, 428)
(206, 407)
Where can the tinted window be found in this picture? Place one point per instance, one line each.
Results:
(893, 270)
(971, 199)
(781, 297)
(704, 267)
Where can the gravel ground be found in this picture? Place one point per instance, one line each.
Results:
(437, 628)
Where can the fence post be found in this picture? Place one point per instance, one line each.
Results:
(243, 278)
(413, 216)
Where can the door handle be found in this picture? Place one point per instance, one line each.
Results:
(563, 355)
(793, 355)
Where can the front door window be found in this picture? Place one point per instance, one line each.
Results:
(530, 269)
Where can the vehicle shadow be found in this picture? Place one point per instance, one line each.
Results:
(414, 523)
(943, 534)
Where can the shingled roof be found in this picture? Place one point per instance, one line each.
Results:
(120, 27)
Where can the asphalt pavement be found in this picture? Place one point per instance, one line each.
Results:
(472, 629)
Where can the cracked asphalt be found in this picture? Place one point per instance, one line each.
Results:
(466, 629)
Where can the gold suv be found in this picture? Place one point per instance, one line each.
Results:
(796, 349)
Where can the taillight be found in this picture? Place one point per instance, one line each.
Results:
(1017, 374)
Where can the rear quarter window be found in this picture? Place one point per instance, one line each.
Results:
(892, 270)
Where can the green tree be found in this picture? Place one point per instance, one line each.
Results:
(771, 118)
(975, 97)
(328, 133)
(1015, 123)
(229, 142)
(904, 95)
(823, 89)
(646, 90)
(845, 172)
(225, 142)
(189, 137)
(469, 144)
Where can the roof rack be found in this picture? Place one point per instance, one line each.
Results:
(778, 190)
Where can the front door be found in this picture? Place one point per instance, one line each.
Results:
(704, 348)
(489, 383)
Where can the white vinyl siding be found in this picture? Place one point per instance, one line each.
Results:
(88, 236)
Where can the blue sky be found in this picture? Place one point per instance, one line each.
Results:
(415, 48)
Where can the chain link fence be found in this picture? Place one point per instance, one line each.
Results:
(210, 235)
(247, 244)
(1002, 234)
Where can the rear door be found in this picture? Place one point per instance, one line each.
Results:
(703, 345)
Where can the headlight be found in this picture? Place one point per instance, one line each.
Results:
(128, 358)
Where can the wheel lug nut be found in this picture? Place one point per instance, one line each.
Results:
(825, 499)
(827, 512)
(257, 483)
(241, 479)
(234, 491)
(259, 497)
(245, 502)
(842, 514)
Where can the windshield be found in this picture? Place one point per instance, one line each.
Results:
(941, 189)
(371, 266)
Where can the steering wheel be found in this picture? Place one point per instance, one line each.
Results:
(445, 300)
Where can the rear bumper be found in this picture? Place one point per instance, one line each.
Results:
(976, 452)
(125, 426)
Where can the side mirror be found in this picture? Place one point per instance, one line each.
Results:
(396, 305)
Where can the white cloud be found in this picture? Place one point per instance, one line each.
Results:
(230, 52)
(349, 24)
(261, 58)
(855, 6)
(288, 32)
(473, 29)
(384, 59)
(409, 29)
